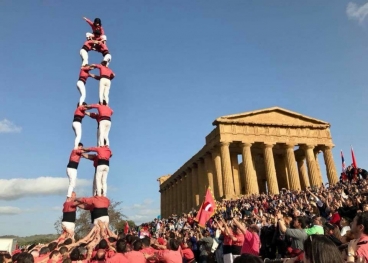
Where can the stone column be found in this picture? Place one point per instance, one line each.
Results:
(250, 179)
(281, 171)
(318, 167)
(189, 190)
(183, 189)
(163, 202)
(195, 187)
(312, 166)
(330, 165)
(291, 166)
(303, 175)
(172, 199)
(226, 170)
(235, 171)
(272, 185)
(177, 196)
(209, 170)
(202, 178)
(219, 190)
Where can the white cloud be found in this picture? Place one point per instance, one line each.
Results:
(7, 126)
(143, 212)
(12, 189)
(9, 210)
(356, 12)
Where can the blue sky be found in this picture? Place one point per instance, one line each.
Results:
(178, 65)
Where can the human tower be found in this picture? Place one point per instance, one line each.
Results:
(96, 41)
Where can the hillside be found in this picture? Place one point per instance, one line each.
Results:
(33, 239)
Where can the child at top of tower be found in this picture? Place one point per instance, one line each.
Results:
(97, 29)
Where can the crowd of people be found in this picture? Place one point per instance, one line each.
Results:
(321, 224)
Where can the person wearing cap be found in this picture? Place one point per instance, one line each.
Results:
(105, 77)
(317, 228)
(96, 25)
(71, 169)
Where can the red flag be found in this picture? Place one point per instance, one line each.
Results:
(207, 209)
(353, 157)
(126, 228)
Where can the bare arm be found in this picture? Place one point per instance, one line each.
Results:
(94, 76)
(109, 232)
(240, 226)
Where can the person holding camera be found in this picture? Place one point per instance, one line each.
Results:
(298, 234)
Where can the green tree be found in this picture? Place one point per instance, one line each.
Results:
(83, 221)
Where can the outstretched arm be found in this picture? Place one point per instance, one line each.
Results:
(240, 226)
(94, 76)
(88, 21)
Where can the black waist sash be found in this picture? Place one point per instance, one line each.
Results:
(69, 217)
(98, 212)
(103, 162)
(72, 164)
(77, 118)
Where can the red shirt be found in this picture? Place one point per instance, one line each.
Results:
(118, 258)
(80, 111)
(83, 74)
(88, 45)
(94, 28)
(103, 152)
(102, 48)
(362, 250)
(251, 243)
(75, 156)
(96, 201)
(135, 256)
(103, 110)
(105, 71)
(335, 219)
(227, 240)
(69, 207)
(95, 161)
(95, 116)
(170, 256)
(187, 253)
(240, 240)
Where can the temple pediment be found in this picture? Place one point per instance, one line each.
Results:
(274, 116)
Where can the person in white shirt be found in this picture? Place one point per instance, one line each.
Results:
(345, 225)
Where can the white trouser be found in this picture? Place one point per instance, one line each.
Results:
(84, 55)
(104, 128)
(82, 90)
(98, 135)
(90, 36)
(72, 174)
(104, 219)
(104, 89)
(69, 226)
(77, 127)
(94, 187)
(107, 58)
(101, 179)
